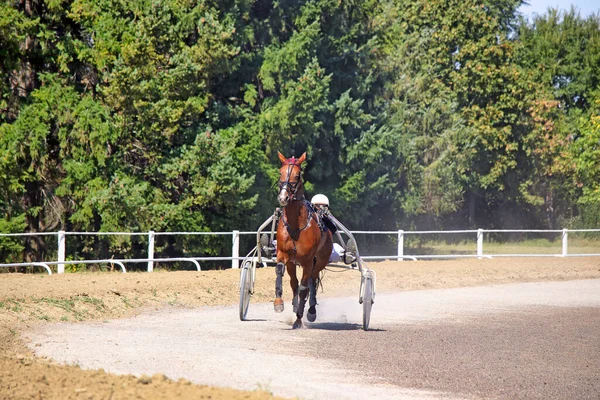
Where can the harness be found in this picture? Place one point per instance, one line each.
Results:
(295, 233)
(292, 188)
(321, 213)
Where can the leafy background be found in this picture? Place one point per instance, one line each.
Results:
(167, 115)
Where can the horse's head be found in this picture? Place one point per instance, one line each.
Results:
(290, 179)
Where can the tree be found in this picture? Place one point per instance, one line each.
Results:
(562, 52)
(107, 138)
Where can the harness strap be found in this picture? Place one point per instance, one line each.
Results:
(296, 232)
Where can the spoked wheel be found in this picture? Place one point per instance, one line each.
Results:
(367, 300)
(245, 289)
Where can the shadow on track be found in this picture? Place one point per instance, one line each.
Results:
(337, 326)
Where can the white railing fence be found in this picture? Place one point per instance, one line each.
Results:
(235, 247)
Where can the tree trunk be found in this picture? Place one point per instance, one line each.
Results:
(471, 202)
(550, 208)
(35, 247)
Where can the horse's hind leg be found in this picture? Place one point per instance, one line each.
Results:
(311, 315)
(295, 301)
(291, 269)
(313, 283)
(278, 303)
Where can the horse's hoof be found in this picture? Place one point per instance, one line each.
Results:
(311, 315)
(278, 305)
(297, 324)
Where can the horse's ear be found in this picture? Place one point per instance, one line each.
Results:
(281, 157)
(302, 158)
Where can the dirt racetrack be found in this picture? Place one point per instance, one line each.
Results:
(28, 301)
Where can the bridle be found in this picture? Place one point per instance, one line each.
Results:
(292, 187)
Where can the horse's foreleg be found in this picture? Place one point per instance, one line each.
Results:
(278, 303)
(302, 295)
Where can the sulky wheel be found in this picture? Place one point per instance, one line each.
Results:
(367, 300)
(245, 289)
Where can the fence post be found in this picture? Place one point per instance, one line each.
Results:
(150, 251)
(565, 237)
(400, 245)
(235, 250)
(61, 251)
(479, 243)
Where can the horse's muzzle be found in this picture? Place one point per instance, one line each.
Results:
(283, 197)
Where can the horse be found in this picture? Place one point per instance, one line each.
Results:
(300, 240)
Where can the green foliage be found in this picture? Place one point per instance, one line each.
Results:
(562, 52)
(11, 247)
(167, 116)
(562, 49)
(585, 152)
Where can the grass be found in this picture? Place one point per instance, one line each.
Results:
(528, 246)
(174, 301)
(97, 303)
(14, 305)
(266, 388)
(67, 305)
(126, 301)
(78, 307)
(70, 305)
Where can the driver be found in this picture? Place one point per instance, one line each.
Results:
(338, 253)
(321, 204)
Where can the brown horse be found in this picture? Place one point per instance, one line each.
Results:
(300, 240)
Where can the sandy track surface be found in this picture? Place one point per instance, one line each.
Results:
(29, 303)
(211, 346)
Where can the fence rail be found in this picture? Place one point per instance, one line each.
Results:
(235, 247)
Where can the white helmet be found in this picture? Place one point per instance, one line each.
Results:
(320, 200)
